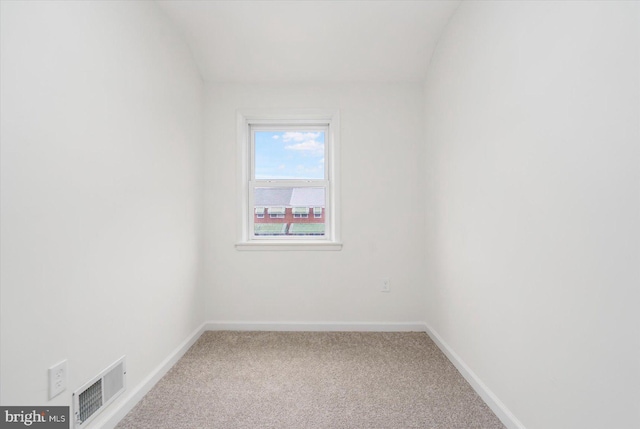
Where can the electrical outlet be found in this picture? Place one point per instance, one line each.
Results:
(57, 379)
(386, 285)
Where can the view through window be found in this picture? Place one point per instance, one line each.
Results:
(289, 186)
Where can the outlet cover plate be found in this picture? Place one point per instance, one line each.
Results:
(57, 379)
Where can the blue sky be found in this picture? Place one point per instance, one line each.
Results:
(289, 154)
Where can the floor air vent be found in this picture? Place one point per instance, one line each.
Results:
(99, 392)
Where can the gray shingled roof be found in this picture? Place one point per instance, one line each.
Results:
(266, 197)
(308, 197)
(289, 197)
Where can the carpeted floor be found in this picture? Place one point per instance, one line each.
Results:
(300, 380)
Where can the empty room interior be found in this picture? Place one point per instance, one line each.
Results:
(213, 180)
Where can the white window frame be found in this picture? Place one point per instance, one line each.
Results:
(277, 119)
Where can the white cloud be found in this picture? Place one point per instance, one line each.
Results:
(299, 137)
(306, 171)
(311, 146)
(276, 137)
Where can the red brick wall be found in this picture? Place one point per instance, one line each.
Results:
(288, 218)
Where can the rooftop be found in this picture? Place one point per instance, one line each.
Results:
(289, 197)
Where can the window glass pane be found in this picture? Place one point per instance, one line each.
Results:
(289, 154)
(288, 211)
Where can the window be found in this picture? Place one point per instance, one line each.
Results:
(300, 212)
(277, 212)
(289, 168)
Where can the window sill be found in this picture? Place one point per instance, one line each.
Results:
(303, 245)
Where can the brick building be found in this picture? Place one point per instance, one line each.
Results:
(289, 211)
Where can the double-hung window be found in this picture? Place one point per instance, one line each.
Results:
(288, 163)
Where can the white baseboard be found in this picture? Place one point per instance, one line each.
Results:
(316, 326)
(496, 405)
(110, 419)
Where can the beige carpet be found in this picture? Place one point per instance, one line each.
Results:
(300, 380)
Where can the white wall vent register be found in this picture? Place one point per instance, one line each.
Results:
(99, 392)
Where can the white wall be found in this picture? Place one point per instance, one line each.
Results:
(101, 192)
(533, 220)
(530, 175)
(381, 132)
